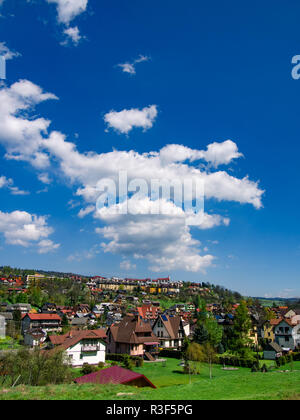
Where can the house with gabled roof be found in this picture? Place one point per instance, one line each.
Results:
(170, 330)
(148, 312)
(287, 334)
(47, 322)
(272, 351)
(81, 347)
(133, 336)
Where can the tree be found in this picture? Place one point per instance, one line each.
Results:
(35, 367)
(241, 329)
(201, 334)
(215, 331)
(194, 352)
(208, 356)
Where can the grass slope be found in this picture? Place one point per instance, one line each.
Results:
(173, 385)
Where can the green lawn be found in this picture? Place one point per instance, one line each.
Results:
(173, 385)
(8, 344)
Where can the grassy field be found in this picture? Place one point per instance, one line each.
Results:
(8, 344)
(174, 385)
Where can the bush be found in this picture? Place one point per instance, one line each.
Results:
(35, 368)
(127, 362)
(87, 369)
(236, 361)
(139, 362)
(101, 365)
(264, 368)
(136, 360)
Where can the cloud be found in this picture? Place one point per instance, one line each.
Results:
(17, 191)
(124, 121)
(5, 182)
(6, 52)
(22, 137)
(73, 35)
(46, 246)
(216, 153)
(165, 240)
(127, 265)
(24, 229)
(67, 10)
(84, 212)
(131, 67)
(44, 178)
(85, 254)
(9, 183)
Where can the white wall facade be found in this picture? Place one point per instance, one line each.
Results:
(287, 336)
(77, 356)
(2, 327)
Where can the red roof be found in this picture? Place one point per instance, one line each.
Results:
(41, 317)
(73, 337)
(114, 375)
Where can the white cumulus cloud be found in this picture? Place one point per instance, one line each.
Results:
(124, 121)
(67, 10)
(24, 229)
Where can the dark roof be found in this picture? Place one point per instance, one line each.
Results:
(274, 346)
(114, 375)
(7, 315)
(132, 330)
(172, 325)
(73, 337)
(79, 321)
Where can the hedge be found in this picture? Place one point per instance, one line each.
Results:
(175, 354)
(236, 361)
(138, 361)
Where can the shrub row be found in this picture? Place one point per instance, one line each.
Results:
(136, 360)
(175, 354)
(236, 361)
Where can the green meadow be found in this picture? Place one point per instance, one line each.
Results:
(172, 384)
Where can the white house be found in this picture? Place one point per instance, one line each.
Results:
(2, 327)
(170, 330)
(81, 347)
(287, 334)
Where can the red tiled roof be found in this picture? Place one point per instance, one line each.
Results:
(73, 337)
(114, 375)
(42, 317)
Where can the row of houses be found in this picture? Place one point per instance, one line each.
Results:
(133, 335)
(283, 331)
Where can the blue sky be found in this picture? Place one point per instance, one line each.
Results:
(212, 71)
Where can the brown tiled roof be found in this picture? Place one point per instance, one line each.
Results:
(275, 321)
(131, 330)
(172, 325)
(286, 320)
(73, 337)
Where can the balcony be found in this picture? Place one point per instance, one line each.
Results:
(90, 347)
